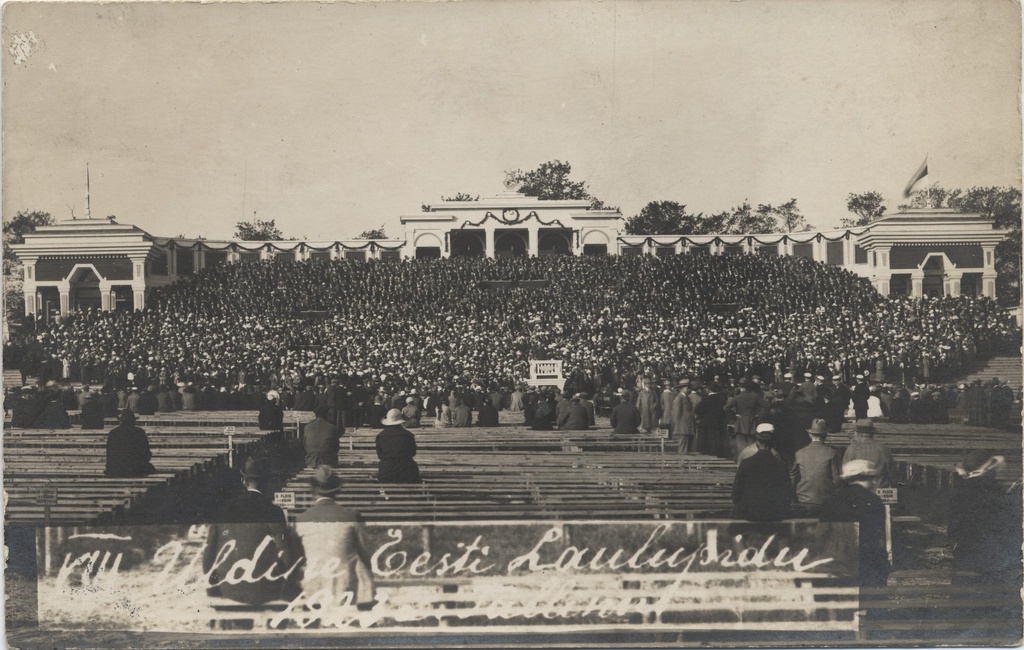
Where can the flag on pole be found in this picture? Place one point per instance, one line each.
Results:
(918, 175)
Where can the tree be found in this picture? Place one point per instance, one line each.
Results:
(376, 233)
(14, 232)
(868, 206)
(258, 230)
(787, 217)
(461, 196)
(663, 218)
(551, 181)
(1003, 206)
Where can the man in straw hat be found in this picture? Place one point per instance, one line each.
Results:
(815, 471)
(337, 570)
(856, 501)
(239, 532)
(396, 447)
(865, 447)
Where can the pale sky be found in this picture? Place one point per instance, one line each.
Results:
(335, 118)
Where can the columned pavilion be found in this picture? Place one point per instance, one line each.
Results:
(102, 264)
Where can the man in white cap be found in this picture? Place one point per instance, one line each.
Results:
(815, 470)
(856, 501)
(761, 490)
(861, 393)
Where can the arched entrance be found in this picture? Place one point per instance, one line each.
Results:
(934, 271)
(554, 242)
(468, 243)
(510, 243)
(85, 290)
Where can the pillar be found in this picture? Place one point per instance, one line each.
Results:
(917, 284)
(65, 301)
(533, 242)
(988, 284)
(30, 303)
(489, 243)
(106, 299)
(139, 299)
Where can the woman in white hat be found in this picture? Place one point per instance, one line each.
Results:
(396, 447)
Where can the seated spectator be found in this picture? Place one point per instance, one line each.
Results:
(396, 448)
(543, 414)
(411, 412)
(337, 570)
(761, 490)
(164, 401)
(93, 413)
(320, 439)
(27, 407)
(147, 404)
(574, 417)
(589, 407)
(751, 449)
(444, 416)
(462, 416)
(487, 416)
(625, 418)
(128, 452)
(53, 415)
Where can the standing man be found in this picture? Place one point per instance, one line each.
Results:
(856, 501)
(647, 404)
(684, 421)
(815, 471)
(712, 435)
(744, 407)
(761, 490)
(668, 398)
(861, 394)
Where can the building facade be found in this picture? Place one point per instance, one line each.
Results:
(101, 264)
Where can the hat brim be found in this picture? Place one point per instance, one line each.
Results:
(386, 422)
(866, 474)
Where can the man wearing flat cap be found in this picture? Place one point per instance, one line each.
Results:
(250, 527)
(337, 562)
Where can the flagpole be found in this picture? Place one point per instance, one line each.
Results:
(88, 213)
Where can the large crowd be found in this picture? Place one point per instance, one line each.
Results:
(609, 319)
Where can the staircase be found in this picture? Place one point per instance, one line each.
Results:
(1006, 368)
(11, 378)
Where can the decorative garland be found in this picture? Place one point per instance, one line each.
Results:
(511, 217)
(717, 239)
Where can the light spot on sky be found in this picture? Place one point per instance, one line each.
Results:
(52, 67)
(22, 47)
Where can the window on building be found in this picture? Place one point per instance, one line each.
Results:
(359, 256)
(595, 249)
(320, 255)
(733, 249)
(428, 252)
(700, 250)
(632, 250)
(767, 249)
(285, 256)
(184, 262)
(665, 251)
(391, 256)
(214, 258)
(803, 250)
(158, 264)
(834, 251)
(860, 255)
(249, 256)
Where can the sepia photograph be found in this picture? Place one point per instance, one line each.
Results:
(512, 323)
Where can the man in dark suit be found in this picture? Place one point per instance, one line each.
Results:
(128, 452)
(488, 415)
(337, 550)
(574, 418)
(712, 435)
(305, 400)
(147, 404)
(625, 417)
(857, 501)
(320, 439)
(251, 529)
(761, 490)
(744, 407)
(93, 413)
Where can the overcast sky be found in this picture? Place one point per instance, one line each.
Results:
(332, 119)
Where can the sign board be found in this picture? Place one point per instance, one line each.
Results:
(46, 496)
(507, 577)
(229, 431)
(285, 500)
(888, 496)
